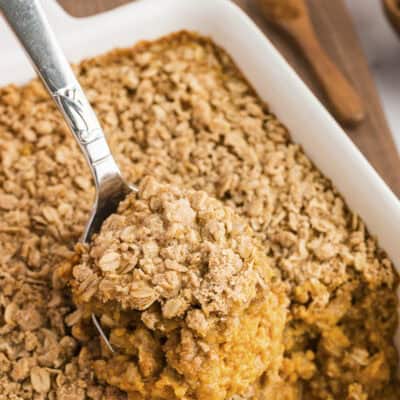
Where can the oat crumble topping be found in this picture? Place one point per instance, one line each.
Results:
(177, 247)
(179, 110)
(177, 270)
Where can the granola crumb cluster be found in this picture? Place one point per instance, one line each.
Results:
(193, 305)
(179, 110)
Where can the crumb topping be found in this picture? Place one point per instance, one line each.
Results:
(187, 275)
(179, 110)
(177, 247)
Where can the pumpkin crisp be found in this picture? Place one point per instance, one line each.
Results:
(178, 109)
(193, 307)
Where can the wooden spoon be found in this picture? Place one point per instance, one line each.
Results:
(392, 10)
(292, 17)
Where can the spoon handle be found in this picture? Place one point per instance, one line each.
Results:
(28, 21)
(345, 102)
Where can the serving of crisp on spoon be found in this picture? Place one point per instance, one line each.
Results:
(28, 21)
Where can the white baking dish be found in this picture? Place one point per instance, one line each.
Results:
(309, 122)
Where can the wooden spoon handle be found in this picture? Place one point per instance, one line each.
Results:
(345, 103)
(392, 11)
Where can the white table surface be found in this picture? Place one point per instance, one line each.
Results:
(382, 48)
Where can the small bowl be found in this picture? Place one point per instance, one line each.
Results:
(392, 11)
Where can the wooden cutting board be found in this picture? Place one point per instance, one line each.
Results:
(334, 27)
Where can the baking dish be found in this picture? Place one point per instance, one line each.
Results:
(309, 122)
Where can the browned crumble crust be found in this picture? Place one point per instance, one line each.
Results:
(179, 110)
(191, 300)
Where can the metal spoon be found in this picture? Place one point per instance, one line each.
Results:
(28, 21)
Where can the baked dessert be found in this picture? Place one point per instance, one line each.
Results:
(178, 109)
(191, 303)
